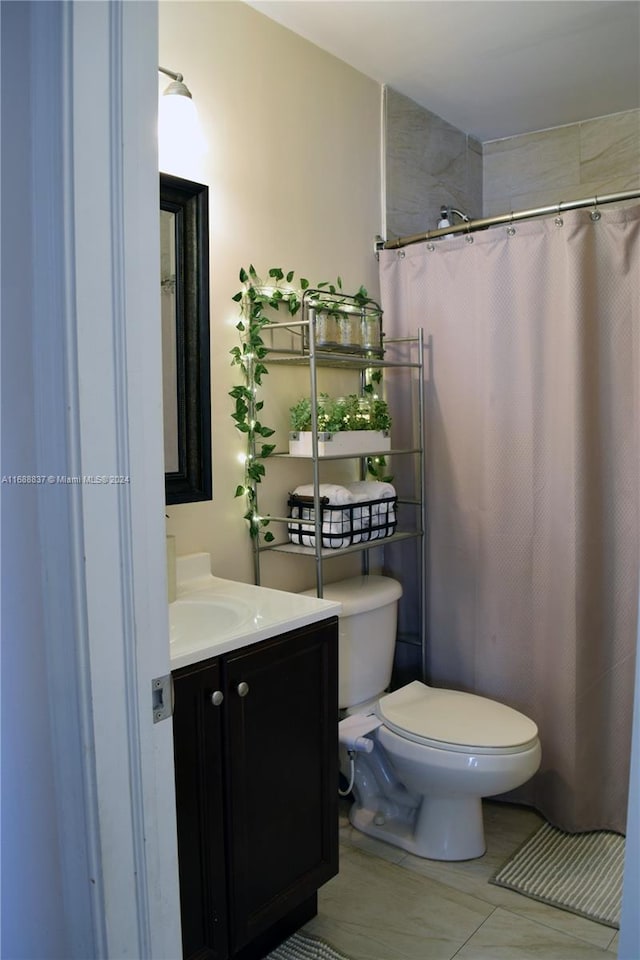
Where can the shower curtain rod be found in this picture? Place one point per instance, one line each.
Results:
(507, 218)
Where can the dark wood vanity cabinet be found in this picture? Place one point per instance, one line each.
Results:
(256, 762)
(198, 760)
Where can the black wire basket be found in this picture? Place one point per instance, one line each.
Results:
(343, 525)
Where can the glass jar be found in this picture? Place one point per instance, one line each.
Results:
(324, 412)
(364, 413)
(339, 412)
(347, 329)
(370, 332)
(326, 332)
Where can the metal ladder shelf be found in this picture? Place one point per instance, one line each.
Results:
(300, 349)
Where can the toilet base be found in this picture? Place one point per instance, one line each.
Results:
(442, 828)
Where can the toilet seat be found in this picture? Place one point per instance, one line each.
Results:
(455, 721)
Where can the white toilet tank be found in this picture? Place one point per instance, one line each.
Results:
(367, 635)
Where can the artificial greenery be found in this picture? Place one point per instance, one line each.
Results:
(256, 298)
(343, 413)
(300, 414)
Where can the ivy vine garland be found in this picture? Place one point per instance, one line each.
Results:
(255, 298)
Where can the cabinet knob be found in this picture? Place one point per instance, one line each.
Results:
(243, 689)
(217, 697)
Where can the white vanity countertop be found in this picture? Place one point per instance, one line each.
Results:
(211, 616)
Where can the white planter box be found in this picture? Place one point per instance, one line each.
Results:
(345, 442)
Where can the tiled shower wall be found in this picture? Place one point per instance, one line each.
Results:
(431, 163)
(566, 163)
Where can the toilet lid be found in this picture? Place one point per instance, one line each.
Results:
(452, 717)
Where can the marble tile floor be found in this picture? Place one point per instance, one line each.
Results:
(386, 904)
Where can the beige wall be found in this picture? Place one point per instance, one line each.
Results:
(293, 174)
(566, 163)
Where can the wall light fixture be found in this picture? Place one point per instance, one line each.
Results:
(180, 137)
(178, 87)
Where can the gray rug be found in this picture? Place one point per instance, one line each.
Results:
(301, 946)
(579, 872)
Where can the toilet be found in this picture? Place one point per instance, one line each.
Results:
(420, 759)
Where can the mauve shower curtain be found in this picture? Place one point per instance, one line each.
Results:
(533, 467)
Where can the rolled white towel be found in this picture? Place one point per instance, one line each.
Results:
(374, 519)
(335, 494)
(335, 530)
(371, 489)
(360, 496)
(336, 527)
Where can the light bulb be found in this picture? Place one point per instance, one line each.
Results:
(181, 142)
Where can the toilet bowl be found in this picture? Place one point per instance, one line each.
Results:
(441, 751)
(419, 760)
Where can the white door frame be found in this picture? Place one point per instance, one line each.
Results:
(97, 357)
(97, 360)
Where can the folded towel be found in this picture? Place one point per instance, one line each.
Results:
(336, 532)
(371, 489)
(355, 519)
(336, 527)
(376, 520)
(333, 543)
(334, 493)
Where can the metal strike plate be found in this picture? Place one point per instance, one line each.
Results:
(161, 698)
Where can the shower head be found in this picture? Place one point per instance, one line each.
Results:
(444, 218)
(448, 213)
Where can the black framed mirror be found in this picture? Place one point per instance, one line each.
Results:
(186, 359)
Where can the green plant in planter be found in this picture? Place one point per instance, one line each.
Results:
(379, 415)
(344, 413)
(300, 415)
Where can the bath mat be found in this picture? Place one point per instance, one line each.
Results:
(301, 946)
(578, 872)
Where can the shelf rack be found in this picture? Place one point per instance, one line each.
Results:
(306, 352)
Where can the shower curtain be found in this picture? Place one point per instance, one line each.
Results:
(532, 438)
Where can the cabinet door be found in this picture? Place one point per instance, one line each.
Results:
(282, 742)
(197, 731)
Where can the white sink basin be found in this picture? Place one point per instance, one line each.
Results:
(212, 616)
(204, 619)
